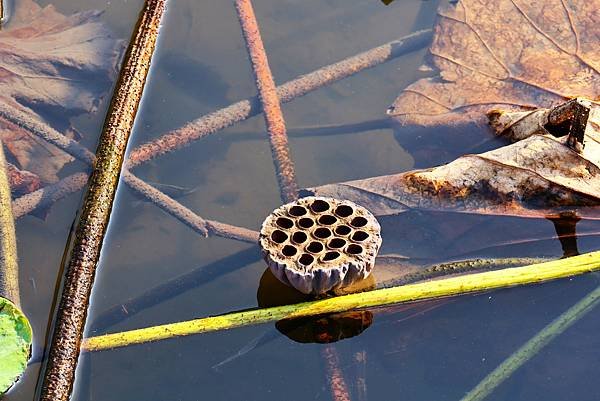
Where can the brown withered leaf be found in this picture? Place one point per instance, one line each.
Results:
(498, 54)
(52, 67)
(538, 176)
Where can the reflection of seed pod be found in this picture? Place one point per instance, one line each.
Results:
(318, 244)
(313, 329)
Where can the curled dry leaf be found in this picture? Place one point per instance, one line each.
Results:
(21, 181)
(538, 176)
(498, 54)
(52, 65)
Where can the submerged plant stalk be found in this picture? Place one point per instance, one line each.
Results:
(284, 166)
(186, 216)
(533, 346)
(530, 274)
(43, 198)
(72, 311)
(9, 268)
(337, 383)
(286, 92)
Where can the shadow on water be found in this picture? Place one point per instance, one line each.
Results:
(207, 87)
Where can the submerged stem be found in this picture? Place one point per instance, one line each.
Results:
(533, 346)
(9, 269)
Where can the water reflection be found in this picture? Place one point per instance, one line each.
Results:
(314, 329)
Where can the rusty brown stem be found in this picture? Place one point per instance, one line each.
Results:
(242, 110)
(72, 311)
(337, 384)
(41, 199)
(284, 166)
(50, 135)
(186, 216)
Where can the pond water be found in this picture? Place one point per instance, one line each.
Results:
(429, 351)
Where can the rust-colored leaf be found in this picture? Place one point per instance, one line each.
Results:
(499, 54)
(52, 67)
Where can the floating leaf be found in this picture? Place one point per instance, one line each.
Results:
(537, 176)
(54, 65)
(498, 54)
(15, 344)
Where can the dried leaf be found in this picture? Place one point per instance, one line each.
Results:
(537, 176)
(54, 65)
(21, 181)
(499, 54)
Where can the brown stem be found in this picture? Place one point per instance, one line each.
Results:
(287, 92)
(185, 215)
(339, 389)
(41, 199)
(284, 166)
(72, 311)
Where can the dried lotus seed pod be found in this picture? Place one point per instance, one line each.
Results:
(318, 244)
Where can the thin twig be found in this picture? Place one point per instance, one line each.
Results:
(293, 89)
(72, 311)
(284, 166)
(185, 215)
(44, 198)
(533, 346)
(9, 268)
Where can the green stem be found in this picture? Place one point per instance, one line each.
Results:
(533, 346)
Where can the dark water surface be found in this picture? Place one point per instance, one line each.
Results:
(201, 65)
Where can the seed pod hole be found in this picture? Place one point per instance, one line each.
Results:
(299, 237)
(305, 222)
(297, 211)
(342, 230)
(360, 236)
(284, 222)
(314, 247)
(289, 250)
(279, 236)
(322, 233)
(359, 221)
(306, 259)
(327, 220)
(331, 256)
(319, 206)
(337, 243)
(344, 211)
(354, 249)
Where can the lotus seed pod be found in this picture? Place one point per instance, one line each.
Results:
(318, 244)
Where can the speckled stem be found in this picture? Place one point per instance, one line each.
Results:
(244, 109)
(72, 311)
(337, 384)
(186, 216)
(9, 268)
(43, 198)
(284, 166)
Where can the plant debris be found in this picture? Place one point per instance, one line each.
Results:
(498, 54)
(52, 67)
(538, 176)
